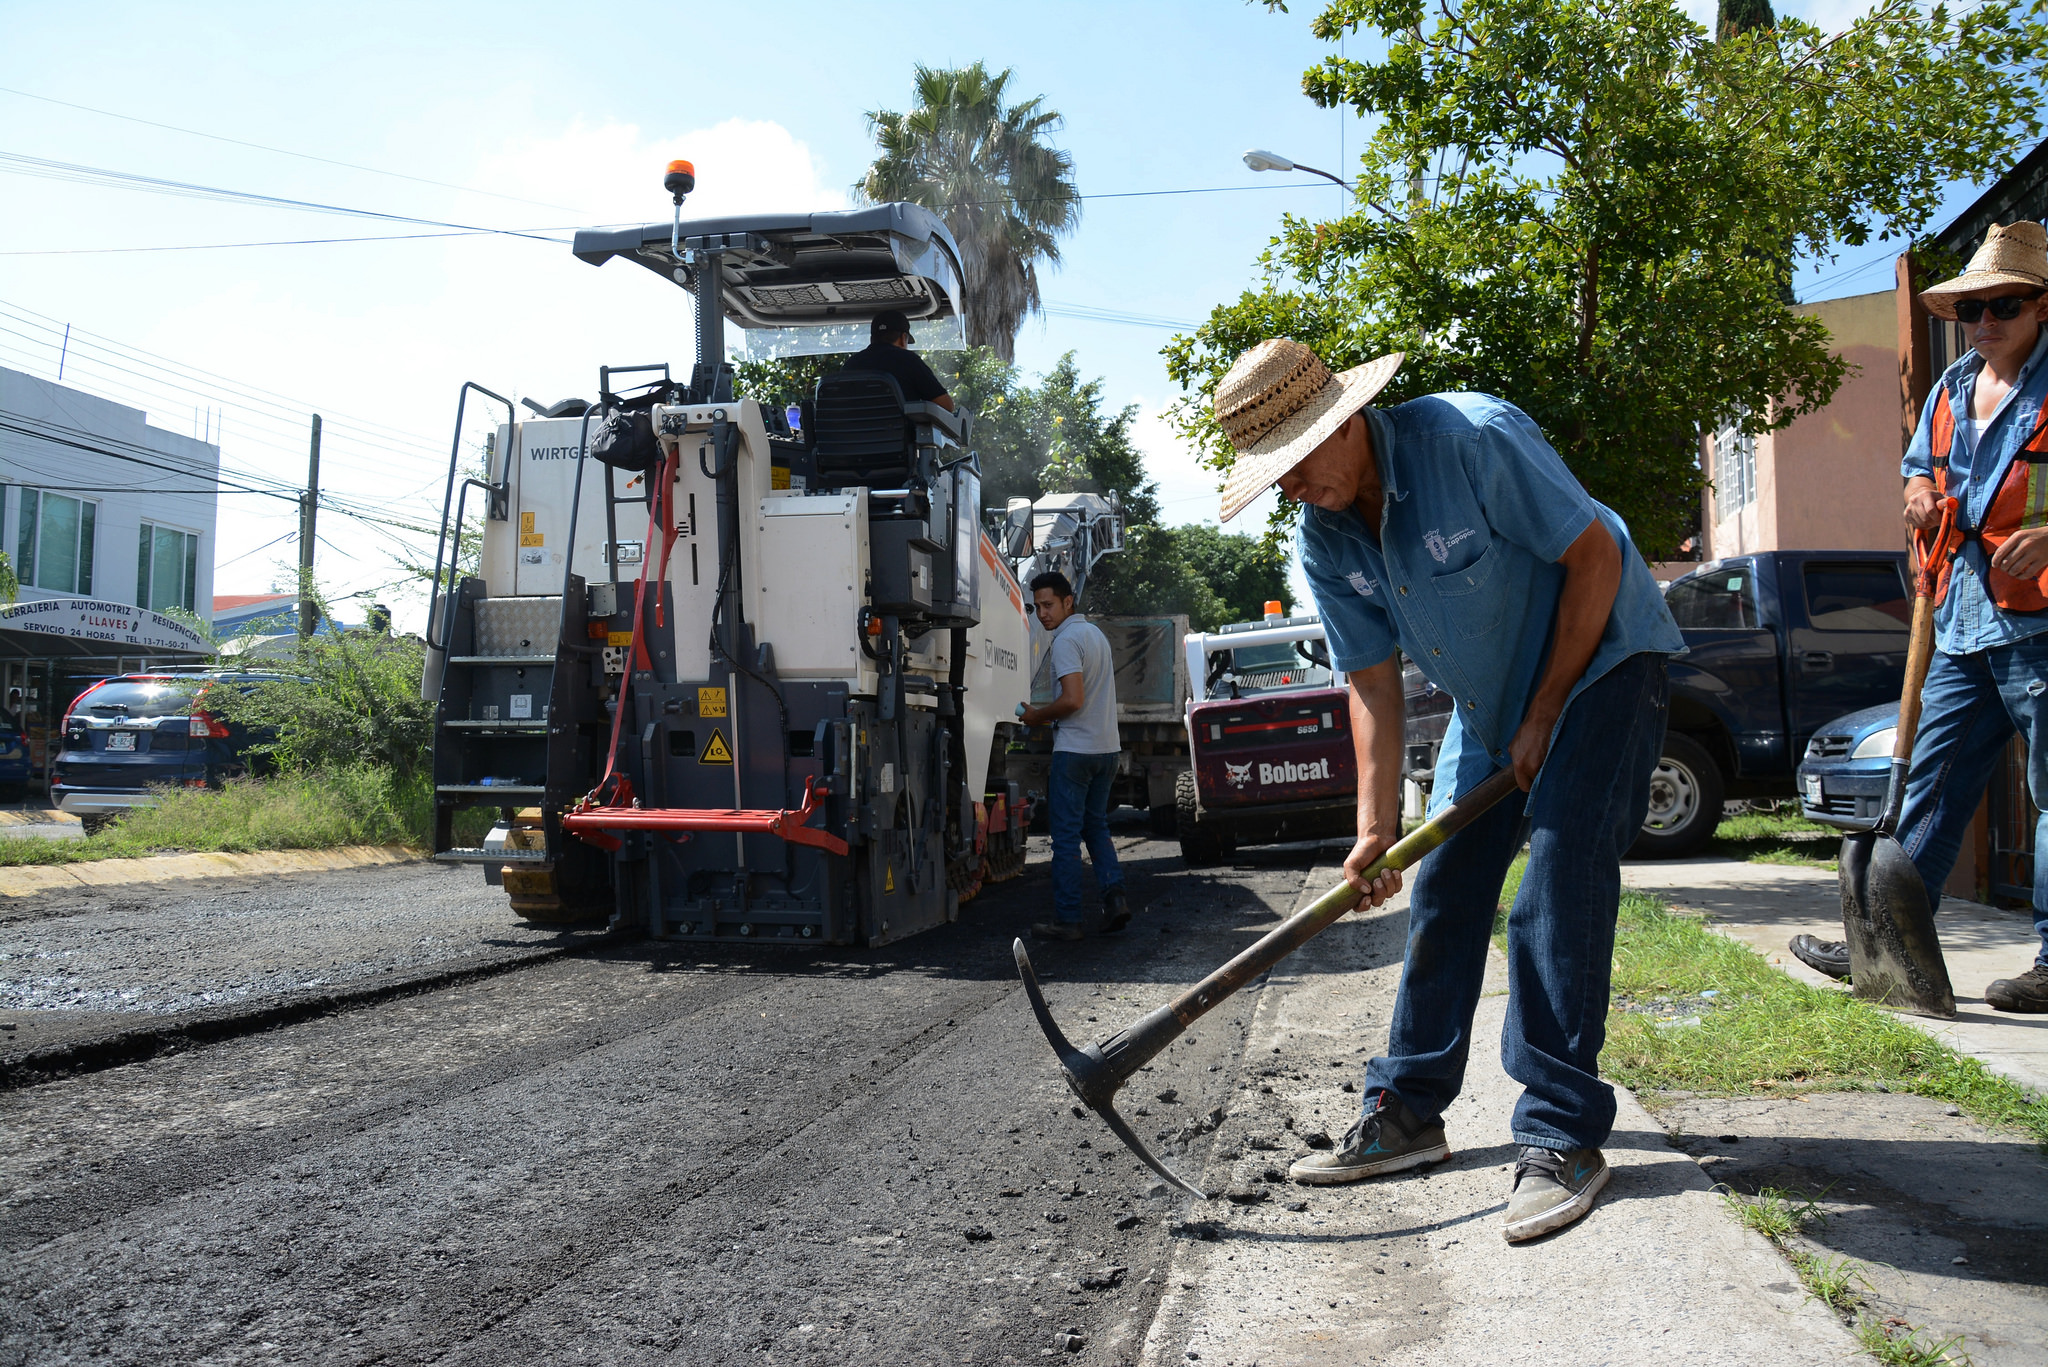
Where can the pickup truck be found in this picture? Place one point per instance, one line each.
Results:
(1780, 643)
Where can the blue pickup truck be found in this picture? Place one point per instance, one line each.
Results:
(1781, 643)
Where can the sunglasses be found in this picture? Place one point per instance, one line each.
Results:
(2005, 307)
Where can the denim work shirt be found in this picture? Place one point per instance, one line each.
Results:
(1967, 620)
(1477, 509)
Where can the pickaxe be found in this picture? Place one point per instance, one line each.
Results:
(1097, 1072)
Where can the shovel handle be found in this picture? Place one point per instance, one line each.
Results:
(1919, 655)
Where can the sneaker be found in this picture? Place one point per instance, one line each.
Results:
(1388, 1138)
(1822, 956)
(1116, 910)
(2028, 993)
(1058, 930)
(1553, 1187)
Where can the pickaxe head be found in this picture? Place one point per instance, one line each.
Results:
(1097, 1072)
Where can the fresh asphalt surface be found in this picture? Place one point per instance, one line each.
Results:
(637, 1152)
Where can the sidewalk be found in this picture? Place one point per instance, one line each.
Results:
(1765, 905)
(1412, 1269)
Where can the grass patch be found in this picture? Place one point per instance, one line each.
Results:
(1698, 1012)
(1837, 1283)
(1898, 1344)
(1775, 1214)
(1777, 838)
(299, 811)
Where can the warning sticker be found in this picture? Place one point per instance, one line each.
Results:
(778, 476)
(889, 878)
(716, 751)
(710, 702)
(532, 538)
(526, 522)
(618, 638)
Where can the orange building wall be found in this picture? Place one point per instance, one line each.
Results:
(1830, 481)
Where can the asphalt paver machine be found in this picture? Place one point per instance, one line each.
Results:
(762, 687)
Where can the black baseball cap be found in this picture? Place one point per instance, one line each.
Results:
(888, 323)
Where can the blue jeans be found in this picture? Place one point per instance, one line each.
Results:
(1080, 812)
(1586, 810)
(1969, 711)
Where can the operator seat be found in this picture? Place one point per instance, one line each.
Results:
(863, 435)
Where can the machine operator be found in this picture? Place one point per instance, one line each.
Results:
(1449, 527)
(889, 352)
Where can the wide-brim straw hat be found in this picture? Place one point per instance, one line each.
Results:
(1280, 402)
(2016, 254)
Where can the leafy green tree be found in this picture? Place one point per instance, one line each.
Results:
(1740, 16)
(1613, 196)
(985, 167)
(1153, 576)
(1244, 572)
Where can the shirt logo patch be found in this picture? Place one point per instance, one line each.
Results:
(1362, 585)
(1440, 546)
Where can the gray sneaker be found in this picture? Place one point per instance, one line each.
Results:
(1553, 1187)
(1388, 1138)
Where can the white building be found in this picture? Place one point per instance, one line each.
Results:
(99, 504)
(108, 522)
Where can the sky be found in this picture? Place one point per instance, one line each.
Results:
(545, 118)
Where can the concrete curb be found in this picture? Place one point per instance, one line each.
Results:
(191, 1029)
(26, 880)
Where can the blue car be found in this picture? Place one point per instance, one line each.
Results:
(14, 765)
(133, 734)
(1847, 763)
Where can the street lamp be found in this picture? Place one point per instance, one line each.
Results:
(1261, 160)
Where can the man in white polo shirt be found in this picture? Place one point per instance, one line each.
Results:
(1084, 755)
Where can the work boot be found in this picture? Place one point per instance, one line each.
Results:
(1388, 1138)
(1822, 956)
(1058, 930)
(1553, 1187)
(2027, 994)
(1116, 910)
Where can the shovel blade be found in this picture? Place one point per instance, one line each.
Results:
(1894, 953)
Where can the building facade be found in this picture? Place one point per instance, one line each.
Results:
(100, 504)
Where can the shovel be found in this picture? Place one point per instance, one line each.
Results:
(1894, 954)
(1096, 1072)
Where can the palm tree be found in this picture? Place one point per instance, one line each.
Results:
(1005, 193)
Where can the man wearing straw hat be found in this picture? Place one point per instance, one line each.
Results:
(1447, 526)
(1982, 441)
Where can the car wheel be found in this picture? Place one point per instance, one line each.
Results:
(1200, 846)
(1685, 801)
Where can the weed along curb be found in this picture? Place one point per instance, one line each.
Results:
(28, 879)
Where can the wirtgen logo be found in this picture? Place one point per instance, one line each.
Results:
(1294, 773)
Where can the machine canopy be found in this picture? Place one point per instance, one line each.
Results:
(808, 284)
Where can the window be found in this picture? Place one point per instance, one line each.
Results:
(54, 549)
(1868, 597)
(1734, 470)
(1721, 598)
(166, 569)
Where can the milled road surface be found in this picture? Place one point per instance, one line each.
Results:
(636, 1153)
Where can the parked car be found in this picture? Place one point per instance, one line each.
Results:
(1269, 734)
(1779, 645)
(14, 758)
(1847, 764)
(127, 737)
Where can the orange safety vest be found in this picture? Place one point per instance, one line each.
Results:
(2021, 501)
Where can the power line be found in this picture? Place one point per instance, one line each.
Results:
(224, 246)
(283, 151)
(45, 169)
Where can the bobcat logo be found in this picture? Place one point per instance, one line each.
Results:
(1238, 774)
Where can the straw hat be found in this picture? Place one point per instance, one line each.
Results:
(2016, 254)
(1280, 402)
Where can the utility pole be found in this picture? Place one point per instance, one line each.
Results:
(309, 508)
